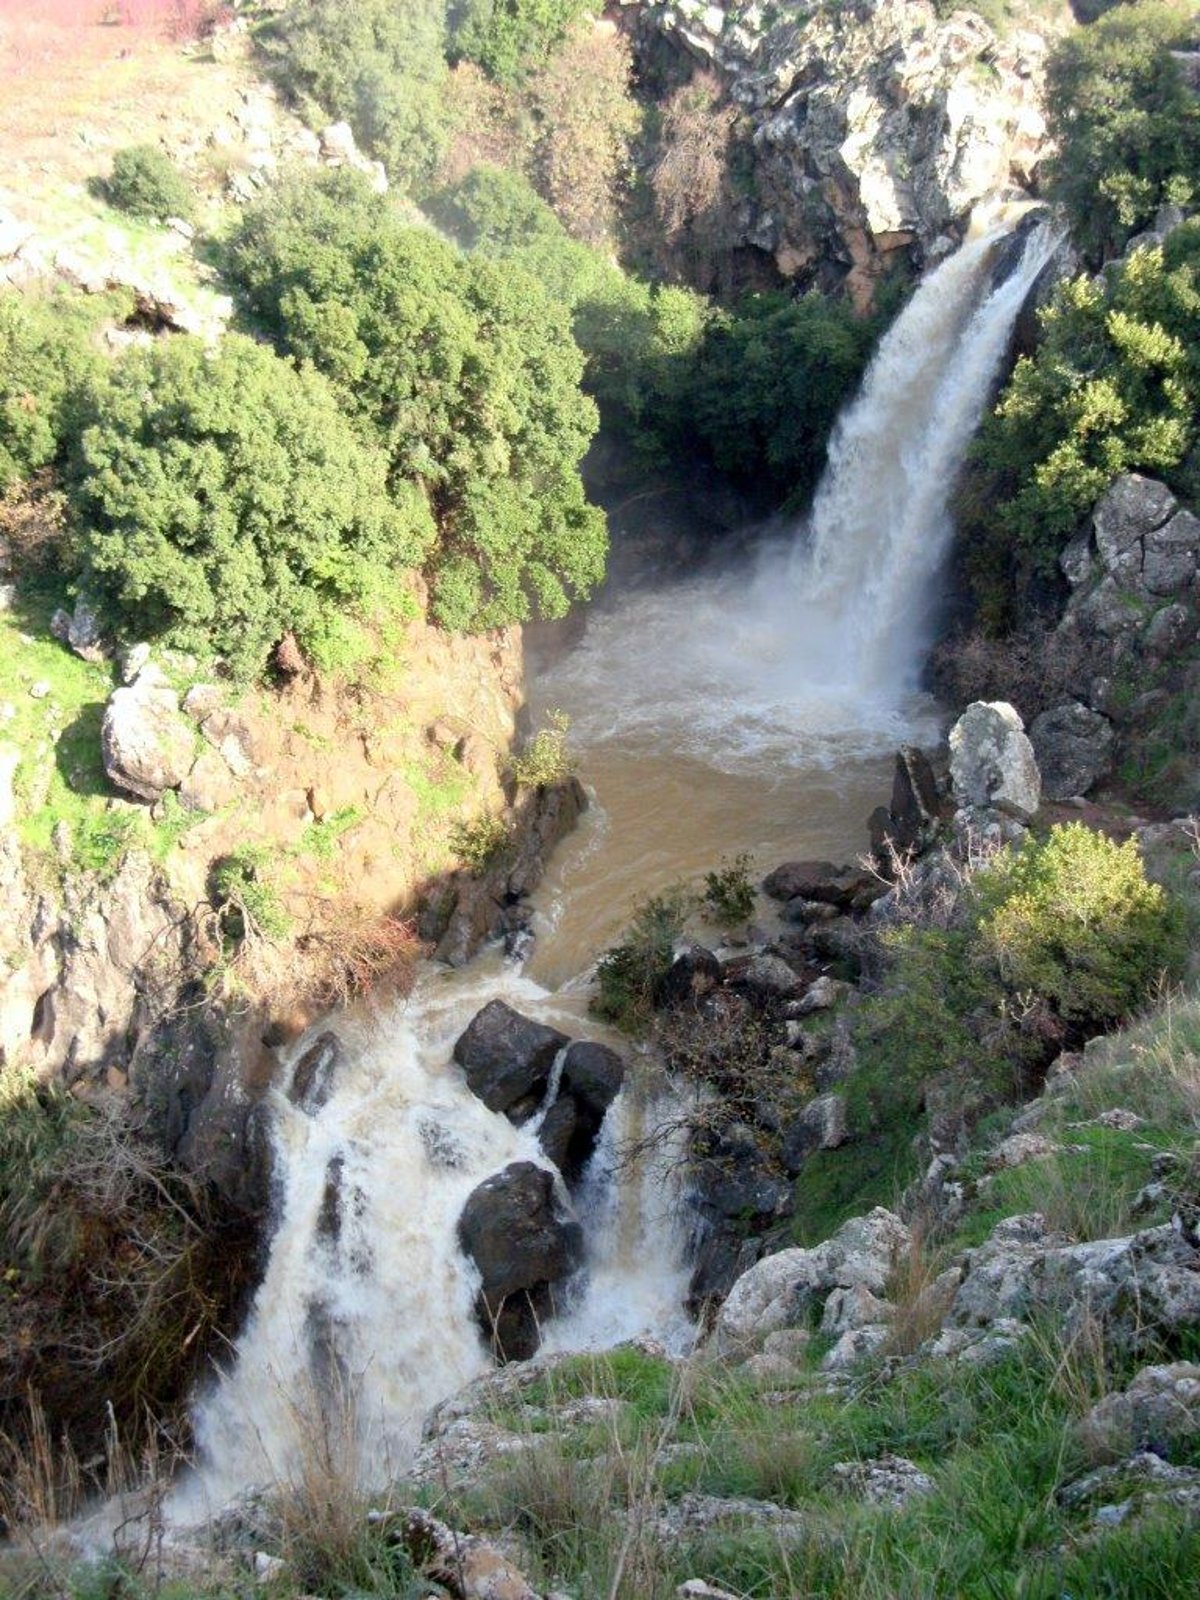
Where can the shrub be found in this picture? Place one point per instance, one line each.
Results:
(464, 370)
(1126, 123)
(630, 975)
(1073, 920)
(48, 356)
(221, 500)
(508, 38)
(377, 64)
(145, 182)
(544, 759)
(245, 898)
(728, 892)
(483, 843)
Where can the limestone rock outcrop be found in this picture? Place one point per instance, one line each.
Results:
(875, 125)
(992, 764)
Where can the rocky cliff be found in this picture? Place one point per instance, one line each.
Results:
(876, 125)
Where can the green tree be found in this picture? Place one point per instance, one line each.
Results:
(772, 376)
(48, 354)
(145, 182)
(509, 38)
(465, 370)
(379, 65)
(1126, 123)
(1114, 386)
(220, 500)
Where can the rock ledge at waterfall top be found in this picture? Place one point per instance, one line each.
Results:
(876, 126)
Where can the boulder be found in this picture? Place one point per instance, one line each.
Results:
(1171, 554)
(1129, 509)
(992, 763)
(592, 1075)
(694, 973)
(314, 1074)
(525, 1245)
(822, 1125)
(787, 1289)
(147, 745)
(908, 824)
(818, 880)
(884, 1481)
(506, 1057)
(1159, 1411)
(736, 1178)
(1073, 748)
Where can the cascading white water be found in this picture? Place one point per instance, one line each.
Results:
(365, 1316)
(364, 1319)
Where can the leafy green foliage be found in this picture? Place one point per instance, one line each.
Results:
(1127, 126)
(48, 355)
(1054, 942)
(483, 843)
(509, 38)
(246, 898)
(464, 370)
(1114, 386)
(145, 182)
(1074, 921)
(771, 379)
(544, 759)
(221, 500)
(377, 64)
(729, 893)
(630, 975)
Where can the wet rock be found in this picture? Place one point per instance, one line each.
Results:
(822, 1125)
(908, 825)
(557, 1133)
(694, 973)
(736, 1179)
(525, 1246)
(1159, 1411)
(505, 1056)
(992, 763)
(548, 816)
(315, 1072)
(1073, 747)
(592, 1076)
(817, 880)
(147, 746)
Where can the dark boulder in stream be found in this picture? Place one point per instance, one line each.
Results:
(507, 1058)
(526, 1245)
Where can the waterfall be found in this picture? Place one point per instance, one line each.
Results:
(364, 1318)
(881, 527)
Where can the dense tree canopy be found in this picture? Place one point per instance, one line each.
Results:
(221, 499)
(48, 353)
(465, 371)
(1114, 386)
(1127, 126)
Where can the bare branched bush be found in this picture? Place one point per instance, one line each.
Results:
(1033, 669)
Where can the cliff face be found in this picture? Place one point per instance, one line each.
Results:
(875, 126)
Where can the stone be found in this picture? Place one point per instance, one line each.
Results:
(884, 1481)
(1019, 1148)
(1129, 509)
(784, 1290)
(84, 633)
(694, 973)
(992, 763)
(822, 995)
(1171, 554)
(209, 785)
(314, 1073)
(506, 1057)
(817, 880)
(822, 1125)
(147, 746)
(201, 700)
(735, 1177)
(697, 1589)
(1077, 561)
(132, 660)
(524, 1244)
(1143, 1481)
(908, 824)
(1169, 631)
(1159, 1411)
(592, 1076)
(768, 975)
(1073, 748)
(466, 1566)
